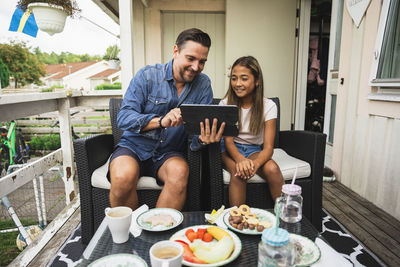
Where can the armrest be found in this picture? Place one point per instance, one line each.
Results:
(310, 147)
(193, 196)
(212, 178)
(93, 151)
(90, 153)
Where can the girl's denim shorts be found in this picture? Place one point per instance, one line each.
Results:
(245, 150)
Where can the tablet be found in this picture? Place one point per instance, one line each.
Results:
(193, 114)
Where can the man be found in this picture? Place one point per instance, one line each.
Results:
(154, 140)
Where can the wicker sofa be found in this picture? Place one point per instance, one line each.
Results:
(91, 156)
(292, 148)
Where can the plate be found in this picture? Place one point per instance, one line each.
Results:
(261, 216)
(175, 214)
(310, 251)
(234, 255)
(128, 260)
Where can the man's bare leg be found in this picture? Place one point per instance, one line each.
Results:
(174, 173)
(124, 175)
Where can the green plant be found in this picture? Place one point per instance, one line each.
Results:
(69, 6)
(4, 75)
(107, 86)
(8, 247)
(112, 53)
(45, 142)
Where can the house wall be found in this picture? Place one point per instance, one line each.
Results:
(79, 79)
(366, 139)
(264, 29)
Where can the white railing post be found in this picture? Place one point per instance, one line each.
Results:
(37, 200)
(67, 149)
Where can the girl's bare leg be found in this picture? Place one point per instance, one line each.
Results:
(237, 186)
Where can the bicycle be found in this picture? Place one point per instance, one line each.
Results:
(13, 149)
(74, 135)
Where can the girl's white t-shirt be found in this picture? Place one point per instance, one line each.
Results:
(245, 137)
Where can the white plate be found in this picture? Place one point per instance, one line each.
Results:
(122, 259)
(310, 251)
(235, 253)
(175, 214)
(262, 215)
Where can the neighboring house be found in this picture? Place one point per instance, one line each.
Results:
(77, 75)
(360, 114)
(109, 76)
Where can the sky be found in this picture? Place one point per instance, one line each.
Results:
(79, 36)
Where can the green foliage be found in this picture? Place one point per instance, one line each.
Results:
(4, 75)
(70, 6)
(8, 247)
(64, 57)
(112, 53)
(51, 89)
(23, 65)
(107, 86)
(45, 142)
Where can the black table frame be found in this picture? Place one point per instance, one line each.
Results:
(102, 244)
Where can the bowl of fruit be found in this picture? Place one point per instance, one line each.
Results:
(206, 245)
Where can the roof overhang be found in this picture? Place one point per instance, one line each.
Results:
(110, 7)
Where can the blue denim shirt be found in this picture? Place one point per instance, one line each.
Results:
(152, 93)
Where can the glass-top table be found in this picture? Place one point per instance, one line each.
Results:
(102, 245)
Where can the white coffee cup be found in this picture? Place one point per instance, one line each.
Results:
(166, 254)
(118, 221)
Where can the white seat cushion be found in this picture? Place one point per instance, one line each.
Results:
(286, 163)
(99, 180)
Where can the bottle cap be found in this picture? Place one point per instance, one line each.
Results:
(275, 237)
(291, 189)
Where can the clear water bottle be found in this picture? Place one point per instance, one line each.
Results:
(275, 249)
(291, 203)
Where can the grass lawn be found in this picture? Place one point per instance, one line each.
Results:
(8, 247)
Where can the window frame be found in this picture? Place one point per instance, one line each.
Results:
(385, 86)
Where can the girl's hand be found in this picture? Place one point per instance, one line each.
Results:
(257, 165)
(245, 168)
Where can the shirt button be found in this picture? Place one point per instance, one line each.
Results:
(156, 102)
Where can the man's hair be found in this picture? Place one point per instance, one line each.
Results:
(194, 35)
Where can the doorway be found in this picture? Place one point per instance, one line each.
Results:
(317, 69)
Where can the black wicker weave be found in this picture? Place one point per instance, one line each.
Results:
(141, 244)
(92, 152)
(304, 145)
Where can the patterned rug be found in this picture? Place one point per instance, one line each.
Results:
(336, 235)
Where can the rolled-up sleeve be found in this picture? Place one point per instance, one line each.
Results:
(130, 116)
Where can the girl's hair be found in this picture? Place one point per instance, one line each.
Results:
(257, 110)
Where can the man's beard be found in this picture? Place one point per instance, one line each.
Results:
(188, 79)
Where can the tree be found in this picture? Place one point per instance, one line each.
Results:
(23, 65)
(112, 52)
(4, 75)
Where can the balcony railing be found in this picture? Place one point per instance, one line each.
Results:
(15, 106)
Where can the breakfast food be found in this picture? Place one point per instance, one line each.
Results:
(244, 209)
(160, 219)
(235, 212)
(206, 245)
(242, 218)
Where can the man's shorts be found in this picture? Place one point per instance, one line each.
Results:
(245, 150)
(147, 167)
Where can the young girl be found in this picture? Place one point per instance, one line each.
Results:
(251, 151)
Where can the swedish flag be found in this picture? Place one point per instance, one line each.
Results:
(23, 22)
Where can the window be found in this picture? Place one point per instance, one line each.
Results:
(386, 65)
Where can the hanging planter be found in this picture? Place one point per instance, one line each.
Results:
(50, 19)
(50, 15)
(114, 63)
